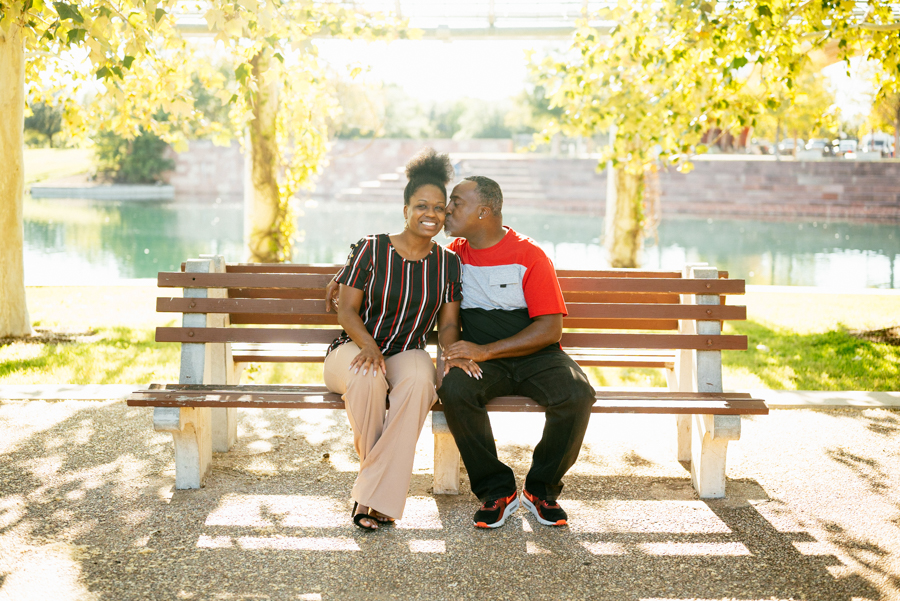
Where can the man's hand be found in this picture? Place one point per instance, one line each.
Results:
(466, 350)
(331, 296)
(467, 365)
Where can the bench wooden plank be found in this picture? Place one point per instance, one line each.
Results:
(318, 397)
(301, 389)
(242, 280)
(580, 311)
(588, 284)
(569, 339)
(203, 335)
(333, 269)
(290, 353)
(680, 286)
(654, 341)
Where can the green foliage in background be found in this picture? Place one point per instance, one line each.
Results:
(45, 120)
(140, 160)
(386, 111)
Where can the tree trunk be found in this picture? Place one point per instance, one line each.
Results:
(14, 320)
(262, 199)
(896, 152)
(624, 219)
(777, 139)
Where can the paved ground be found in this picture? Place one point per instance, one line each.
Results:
(88, 511)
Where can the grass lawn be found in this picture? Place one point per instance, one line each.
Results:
(797, 341)
(51, 163)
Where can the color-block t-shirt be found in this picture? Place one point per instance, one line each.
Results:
(401, 297)
(505, 287)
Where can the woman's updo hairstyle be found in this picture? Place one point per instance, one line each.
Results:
(427, 168)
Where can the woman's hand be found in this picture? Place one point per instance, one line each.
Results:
(467, 365)
(332, 291)
(369, 359)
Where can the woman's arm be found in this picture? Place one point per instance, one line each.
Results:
(369, 356)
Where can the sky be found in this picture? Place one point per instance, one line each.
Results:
(432, 70)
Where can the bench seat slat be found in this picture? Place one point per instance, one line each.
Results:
(319, 389)
(301, 397)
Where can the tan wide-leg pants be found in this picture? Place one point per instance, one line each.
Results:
(386, 444)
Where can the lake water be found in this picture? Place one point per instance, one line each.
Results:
(70, 241)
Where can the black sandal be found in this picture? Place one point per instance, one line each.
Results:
(359, 517)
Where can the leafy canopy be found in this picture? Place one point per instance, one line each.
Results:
(669, 70)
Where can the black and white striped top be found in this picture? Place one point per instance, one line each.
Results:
(401, 298)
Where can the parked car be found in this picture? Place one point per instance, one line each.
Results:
(786, 146)
(840, 148)
(877, 142)
(820, 144)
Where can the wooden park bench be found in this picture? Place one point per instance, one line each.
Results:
(235, 314)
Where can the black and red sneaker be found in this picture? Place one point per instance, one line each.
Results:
(547, 513)
(494, 513)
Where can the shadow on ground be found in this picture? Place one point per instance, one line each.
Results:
(87, 508)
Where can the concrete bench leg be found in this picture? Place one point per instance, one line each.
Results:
(223, 421)
(446, 457)
(711, 436)
(191, 430)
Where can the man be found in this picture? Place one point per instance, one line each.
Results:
(511, 316)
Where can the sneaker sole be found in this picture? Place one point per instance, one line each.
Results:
(530, 507)
(510, 509)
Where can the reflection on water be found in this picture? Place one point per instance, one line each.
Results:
(77, 241)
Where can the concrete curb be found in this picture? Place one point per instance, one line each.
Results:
(117, 192)
(776, 399)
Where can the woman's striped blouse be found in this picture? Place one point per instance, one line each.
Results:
(401, 298)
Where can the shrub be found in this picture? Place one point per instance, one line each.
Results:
(140, 160)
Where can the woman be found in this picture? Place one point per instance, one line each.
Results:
(392, 289)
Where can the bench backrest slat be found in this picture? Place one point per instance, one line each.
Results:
(563, 273)
(614, 309)
(300, 307)
(569, 339)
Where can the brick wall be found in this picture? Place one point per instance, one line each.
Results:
(206, 172)
(372, 171)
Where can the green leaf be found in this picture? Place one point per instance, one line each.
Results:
(278, 56)
(75, 35)
(102, 73)
(127, 61)
(159, 14)
(68, 11)
(738, 62)
(242, 73)
(764, 11)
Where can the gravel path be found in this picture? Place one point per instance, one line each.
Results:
(88, 511)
